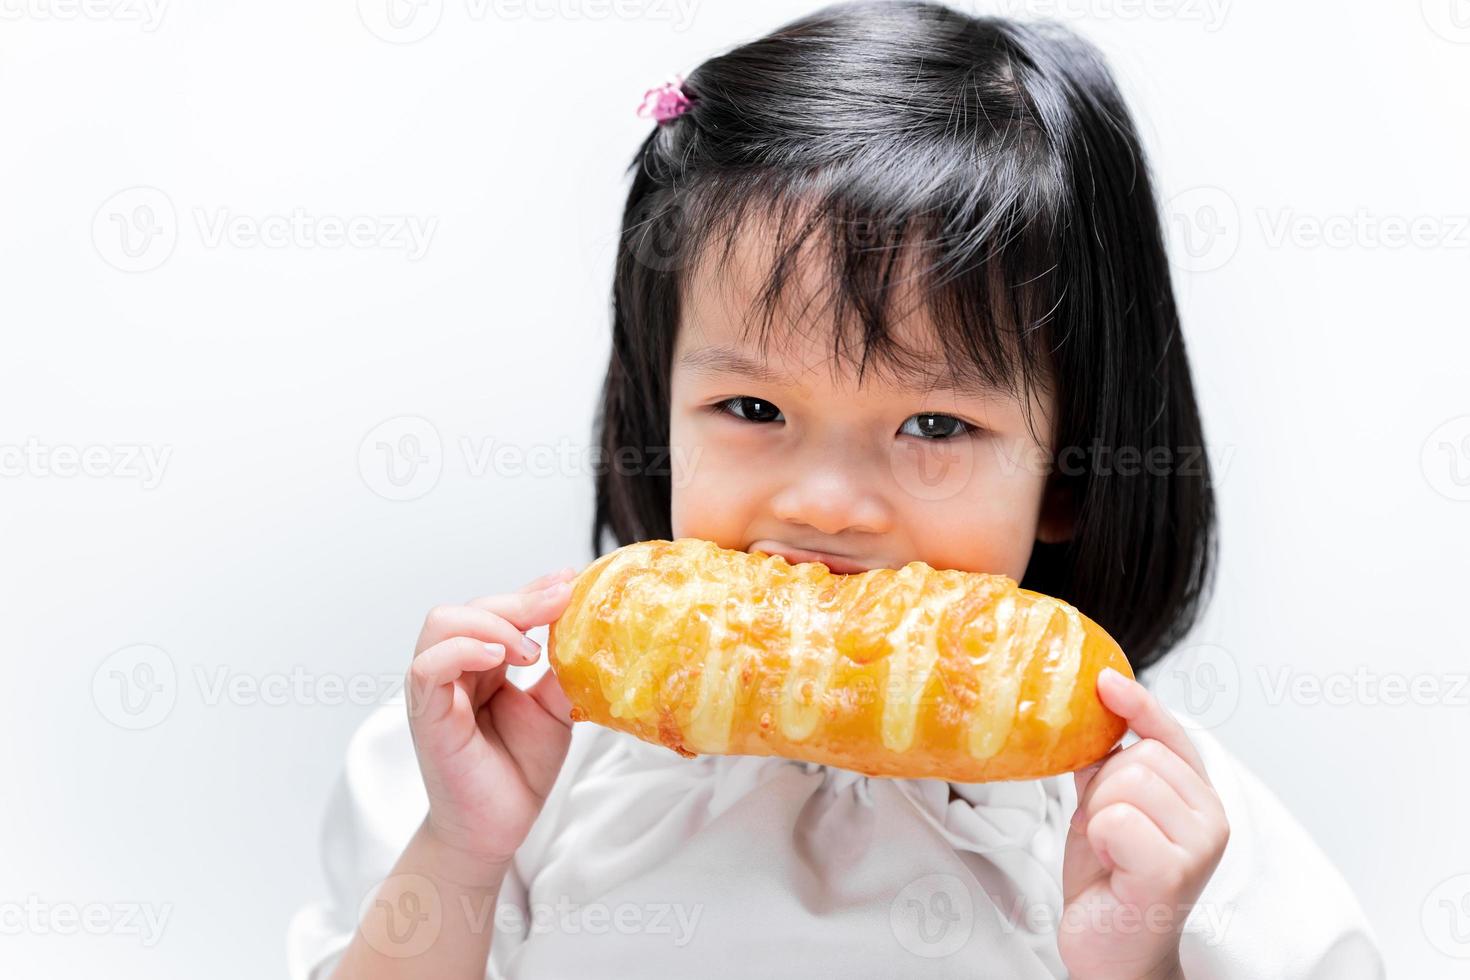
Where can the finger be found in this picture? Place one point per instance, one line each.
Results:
(528, 610)
(1084, 776)
(1144, 713)
(1155, 755)
(444, 622)
(536, 741)
(550, 578)
(433, 673)
(1131, 845)
(547, 692)
(1149, 792)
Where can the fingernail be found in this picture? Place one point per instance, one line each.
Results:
(558, 590)
(530, 647)
(495, 649)
(1109, 675)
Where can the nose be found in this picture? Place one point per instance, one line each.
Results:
(832, 493)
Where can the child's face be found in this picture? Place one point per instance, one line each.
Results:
(799, 461)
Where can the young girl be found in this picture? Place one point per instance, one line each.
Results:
(890, 287)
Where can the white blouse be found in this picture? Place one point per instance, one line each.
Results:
(647, 864)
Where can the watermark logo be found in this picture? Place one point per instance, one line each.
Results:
(1445, 917)
(135, 230)
(937, 469)
(402, 917)
(657, 235)
(1445, 459)
(1450, 19)
(1203, 682)
(136, 687)
(401, 458)
(933, 916)
(1205, 224)
(400, 21)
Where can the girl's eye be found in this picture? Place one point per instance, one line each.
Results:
(931, 426)
(750, 409)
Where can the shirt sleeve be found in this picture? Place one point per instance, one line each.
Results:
(375, 807)
(516, 915)
(1276, 906)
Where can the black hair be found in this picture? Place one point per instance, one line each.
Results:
(1003, 154)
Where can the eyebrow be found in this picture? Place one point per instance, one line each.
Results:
(724, 359)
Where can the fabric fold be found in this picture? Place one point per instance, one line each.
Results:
(647, 863)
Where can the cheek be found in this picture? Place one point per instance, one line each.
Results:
(711, 491)
(988, 525)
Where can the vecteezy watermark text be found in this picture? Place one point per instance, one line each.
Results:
(402, 459)
(137, 687)
(147, 14)
(137, 230)
(124, 461)
(1364, 686)
(404, 915)
(34, 916)
(672, 919)
(408, 21)
(1210, 14)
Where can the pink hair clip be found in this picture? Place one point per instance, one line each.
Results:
(665, 102)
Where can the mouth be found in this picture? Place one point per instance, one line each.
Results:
(838, 564)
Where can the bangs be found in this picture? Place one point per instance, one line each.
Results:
(900, 162)
(880, 236)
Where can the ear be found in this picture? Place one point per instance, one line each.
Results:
(1058, 519)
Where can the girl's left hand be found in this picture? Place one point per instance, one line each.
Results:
(1148, 832)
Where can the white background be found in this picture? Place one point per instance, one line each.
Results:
(1333, 376)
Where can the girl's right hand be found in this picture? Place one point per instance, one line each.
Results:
(488, 751)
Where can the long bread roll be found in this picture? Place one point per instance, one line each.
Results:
(913, 672)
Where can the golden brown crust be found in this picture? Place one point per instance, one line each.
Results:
(913, 672)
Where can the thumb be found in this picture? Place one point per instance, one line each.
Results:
(547, 692)
(1084, 776)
